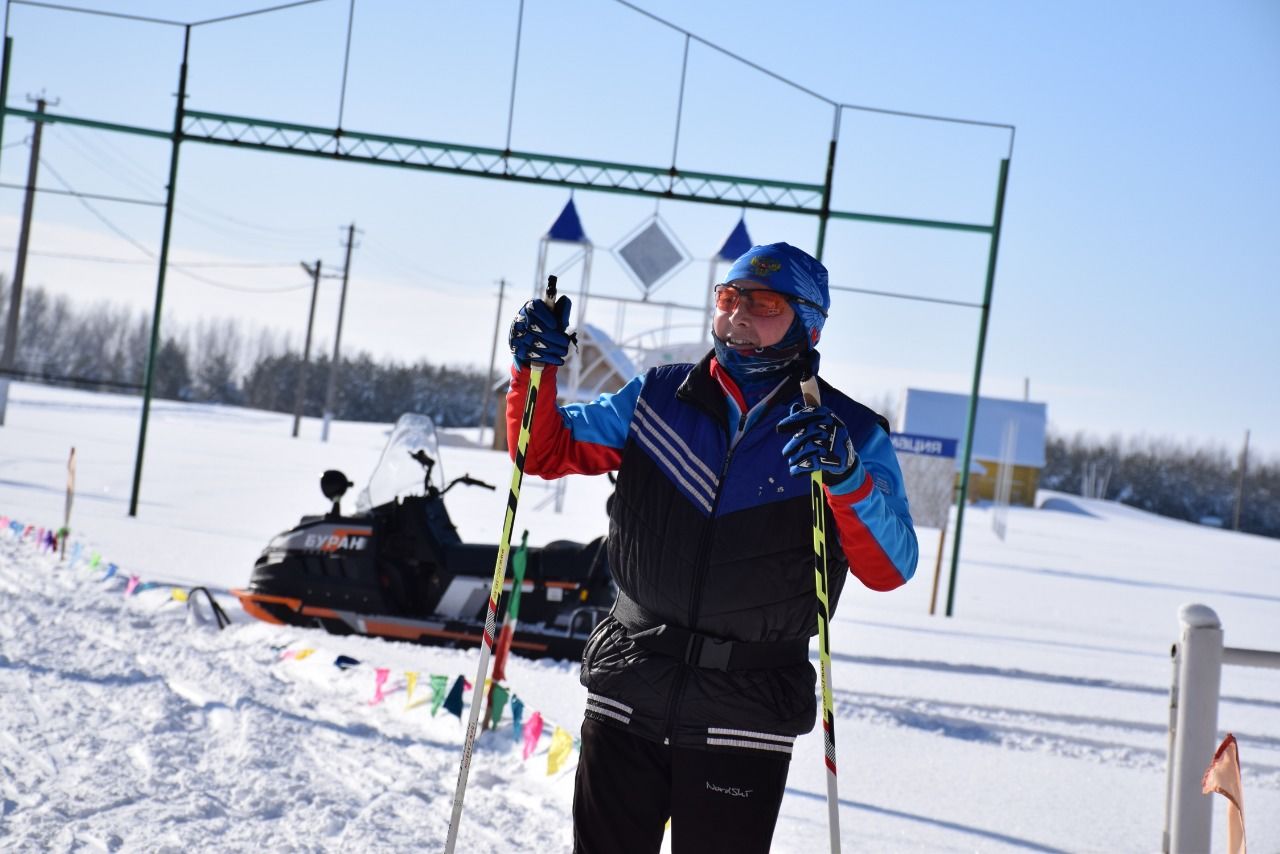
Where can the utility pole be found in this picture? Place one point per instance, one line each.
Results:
(10, 352)
(306, 347)
(488, 378)
(1244, 461)
(332, 392)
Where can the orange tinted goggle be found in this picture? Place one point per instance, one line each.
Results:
(759, 302)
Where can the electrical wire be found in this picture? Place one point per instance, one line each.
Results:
(108, 158)
(178, 268)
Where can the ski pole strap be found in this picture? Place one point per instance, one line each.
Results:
(701, 650)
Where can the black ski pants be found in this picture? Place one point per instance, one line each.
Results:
(627, 787)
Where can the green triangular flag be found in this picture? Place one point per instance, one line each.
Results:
(437, 692)
(519, 561)
(497, 702)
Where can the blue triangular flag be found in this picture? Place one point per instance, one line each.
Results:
(517, 712)
(342, 662)
(568, 227)
(454, 701)
(737, 243)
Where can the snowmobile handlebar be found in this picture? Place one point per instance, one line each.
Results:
(467, 480)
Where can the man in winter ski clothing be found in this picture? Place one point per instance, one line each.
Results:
(699, 681)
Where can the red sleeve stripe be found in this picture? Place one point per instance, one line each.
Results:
(867, 560)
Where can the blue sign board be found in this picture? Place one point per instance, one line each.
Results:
(929, 446)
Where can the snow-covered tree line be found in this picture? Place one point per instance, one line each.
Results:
(105, 346)
(1198, 484)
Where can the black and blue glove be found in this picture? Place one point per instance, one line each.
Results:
(819, 441)
(539, 334)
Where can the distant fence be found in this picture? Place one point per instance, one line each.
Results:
(87, 383)
(1198, 657)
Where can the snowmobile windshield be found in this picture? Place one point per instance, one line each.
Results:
(398, 474)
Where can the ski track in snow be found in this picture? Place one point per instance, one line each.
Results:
(125, 725)
(209, 740)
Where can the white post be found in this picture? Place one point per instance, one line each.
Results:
(1199, 679)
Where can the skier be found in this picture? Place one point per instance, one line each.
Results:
(699, 680)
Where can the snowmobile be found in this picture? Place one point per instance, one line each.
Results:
(398, 569)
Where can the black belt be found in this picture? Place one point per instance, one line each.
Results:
(702, 650)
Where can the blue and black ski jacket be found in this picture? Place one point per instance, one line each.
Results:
(711, 544)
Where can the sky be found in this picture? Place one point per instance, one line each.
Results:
(1135, 286)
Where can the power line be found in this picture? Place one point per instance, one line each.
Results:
(152, 255)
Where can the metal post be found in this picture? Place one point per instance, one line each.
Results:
(493, 355)
(10, 352)
(825, 213)
(1199, 680)
(332, 392)
(977, 384)
(4, 101)
(306, 347)
(170, 191)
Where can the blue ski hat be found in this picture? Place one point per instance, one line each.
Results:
(788, 270)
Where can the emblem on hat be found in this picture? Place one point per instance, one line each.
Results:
(765, 266)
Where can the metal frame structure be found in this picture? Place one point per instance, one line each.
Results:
(341, 144)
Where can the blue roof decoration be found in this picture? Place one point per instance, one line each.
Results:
(567, 227)
(737, 242)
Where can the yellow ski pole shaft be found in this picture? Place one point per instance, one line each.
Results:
(818, 499)
(495, 590)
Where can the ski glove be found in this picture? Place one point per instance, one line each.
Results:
(819, 441)
(538, 333)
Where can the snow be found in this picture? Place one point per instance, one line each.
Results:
(1035, 719)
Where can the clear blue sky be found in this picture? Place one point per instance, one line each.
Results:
(1138, 285)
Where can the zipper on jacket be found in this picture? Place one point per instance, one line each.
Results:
(701, 563)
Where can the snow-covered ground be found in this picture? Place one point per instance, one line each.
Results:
(1033, 720)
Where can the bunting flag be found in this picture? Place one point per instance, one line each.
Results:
(95, 560)
(410, 682)
(532, 732)
(437, 692)
(1223, 776)
(302, 653)
(343, 662)
(176, 593)
(379, 679)
(517, 712)
(131, 586)
(519, 561)
(111, 570)
(497, 702)
(453, 703)
(561, 747)
(75, 552)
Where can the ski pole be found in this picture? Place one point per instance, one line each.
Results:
(495, 591)
(809, 390)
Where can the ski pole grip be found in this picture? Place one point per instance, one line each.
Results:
(809, 390)
(550, 298)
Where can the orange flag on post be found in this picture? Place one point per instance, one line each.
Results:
(1223, 776)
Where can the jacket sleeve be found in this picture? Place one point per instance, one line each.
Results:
(872, 516)
(579, 438)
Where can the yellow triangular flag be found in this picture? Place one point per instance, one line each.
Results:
(561, 747)
(411, 682)
(302, 653)
(179, 594)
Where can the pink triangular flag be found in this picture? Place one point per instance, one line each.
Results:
(1223, 776)
(532, 732)
(129, 588)
(379, 679)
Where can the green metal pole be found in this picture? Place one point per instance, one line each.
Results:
(4, 83)
(977, 382)
(164, 263)
(824, 213)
